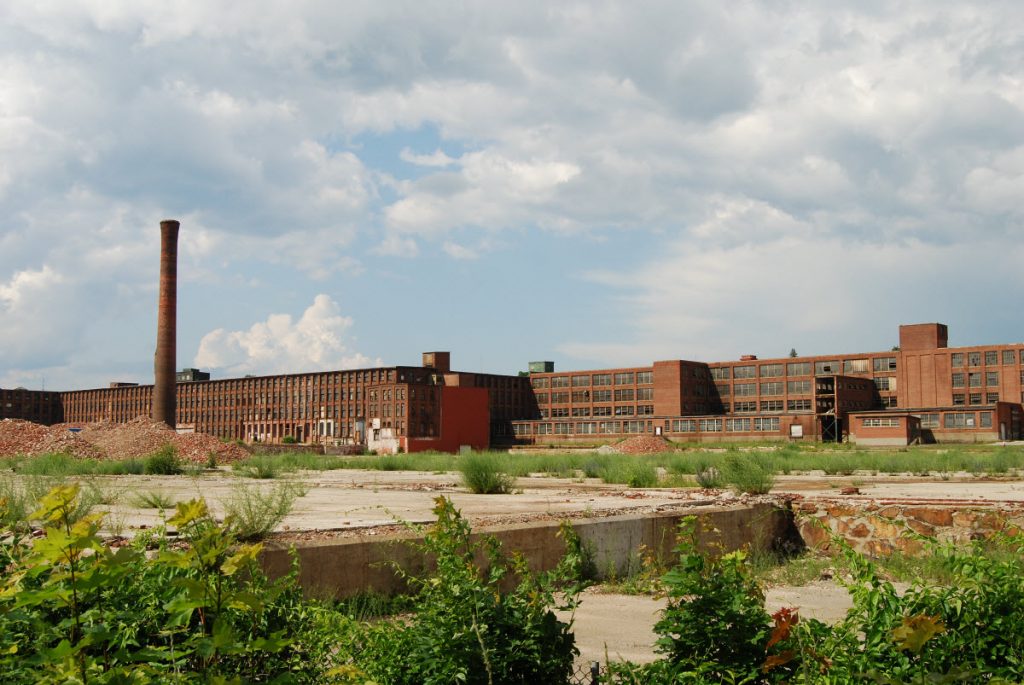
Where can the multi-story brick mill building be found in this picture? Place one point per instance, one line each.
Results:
(922, 390)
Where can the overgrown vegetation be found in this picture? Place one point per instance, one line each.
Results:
(716, 630)
(467, 627)
(152, 499)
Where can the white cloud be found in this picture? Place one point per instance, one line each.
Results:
(319, 340)
(457, 251)
(437, 158)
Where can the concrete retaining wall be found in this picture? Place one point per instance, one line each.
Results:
(343, 567)
(879, 528)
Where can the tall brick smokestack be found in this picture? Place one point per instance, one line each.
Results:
(165, 361)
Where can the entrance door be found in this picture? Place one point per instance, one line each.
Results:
(830, 429)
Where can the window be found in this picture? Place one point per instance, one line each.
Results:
(957, 360)
(625, 378)
(855, 366)
(586, 427)
(798, 405)
(991, 378)
(767, 424)
(632, 426)
(799, 387)
(560, 382)
(737, 425)
(974, 358)
(559, 412)
(985, 419)
(602, 379)
(975, 398)
(580, 381)
(723, 389)
(772, 388)
(602, 395)
(644, 377)
(624, 395)
(798, 369)
(744, 389)
(645, 394)
(684, 425)
(883, 364)
(563, 428)
(581, 411)
(991, 357)
(744, 372)
(929, 420)
(522, 429)
(958, 380)
(559, 398)
(991, 398)
(823, 368)
(974, 380)
(956, 419)
(542, 398)
(710, 425)
(771, 405)
(539, 382)
(1009, 357)
(883, 382)
(744, 407)
(608, 427)
(645, 409)
(625, 410)
(720, 373)
(580, 397)
(602, 411)
(958, 399)
(543, 429)
(771, 370)
(880, 423)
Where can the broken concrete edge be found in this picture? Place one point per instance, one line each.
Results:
(338, 568)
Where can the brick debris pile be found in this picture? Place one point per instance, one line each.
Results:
(643, 444)
(104, 440)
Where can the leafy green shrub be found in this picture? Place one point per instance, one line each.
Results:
(251, 512)
(289, 440)
(748, 473)
(466, 628)
(163, 462)
(482, 474)
(74, 610)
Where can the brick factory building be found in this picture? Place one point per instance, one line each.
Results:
(923, 390)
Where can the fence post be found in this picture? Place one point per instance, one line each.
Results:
(595, 672)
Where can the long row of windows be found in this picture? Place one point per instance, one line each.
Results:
(990, 357)
(597, 379)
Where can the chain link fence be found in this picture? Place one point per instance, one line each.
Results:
(586, 674)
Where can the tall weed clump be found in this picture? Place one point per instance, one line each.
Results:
(752, 474)
(467, 627)
(631, 472)
(483, 474)
(252, 512)
(163, 462)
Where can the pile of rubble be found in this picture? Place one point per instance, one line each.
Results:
(105, 440)
(643, 444)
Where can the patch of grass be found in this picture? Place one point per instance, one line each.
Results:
(370, 605)
(264, 467)
(19, 496)
(633, 472)
(773, 569)
(484, 474)
(152, 499)
(163, 462)
(709, 476)
(252, 511)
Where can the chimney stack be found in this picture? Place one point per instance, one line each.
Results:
(165, 360)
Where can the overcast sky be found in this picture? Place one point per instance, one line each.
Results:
(593, 183)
